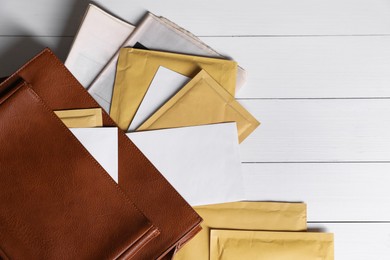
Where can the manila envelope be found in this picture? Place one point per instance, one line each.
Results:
(161, 34)
(98, 39)
(136, 69)
(91, 117)
(235, 244)
(202, 101)
(269, 216)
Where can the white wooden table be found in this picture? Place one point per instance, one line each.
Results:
(319, 81)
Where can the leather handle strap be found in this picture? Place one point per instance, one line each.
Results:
(8, 88)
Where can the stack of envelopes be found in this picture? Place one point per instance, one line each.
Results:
(77, 183)
(161, 78)
(256, 230)
(157, 75)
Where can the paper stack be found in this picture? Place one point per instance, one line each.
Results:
(160, 68)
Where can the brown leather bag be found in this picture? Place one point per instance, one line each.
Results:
(56, 201)
(141, 181)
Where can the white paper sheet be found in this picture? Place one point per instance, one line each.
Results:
(157, 33)
(165, 84)
(102, 144)
(201, 162)
(98, 39)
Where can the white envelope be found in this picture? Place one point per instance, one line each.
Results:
(98, 39)
(102, 144)
(201, 162)
(157, 33)
(165, 84)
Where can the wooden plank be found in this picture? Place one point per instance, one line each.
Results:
(332, 191)
(246, 17)
(318, 130)
(310, 67)
(359, 241)
(279, 67)
(15, 51)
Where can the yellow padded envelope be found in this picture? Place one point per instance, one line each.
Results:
(259, 245)
(91, 117)
(242, 216)
(136, 69)
(202, 101)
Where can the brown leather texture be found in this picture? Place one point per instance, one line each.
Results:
(56, 201)
(140, 180)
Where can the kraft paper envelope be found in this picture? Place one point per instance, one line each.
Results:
(202, 101)
(269, 216)
(233, 245)
(102, 144)
(99, 37)
(164, 85)
(202, 162)
(136, 69)
(91, 117)
(156, 33)
(159, 33)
